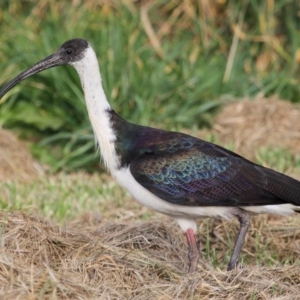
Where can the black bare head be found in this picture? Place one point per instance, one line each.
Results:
(72, 51)
(69, 53)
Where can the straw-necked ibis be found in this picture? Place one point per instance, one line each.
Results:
(170, 172)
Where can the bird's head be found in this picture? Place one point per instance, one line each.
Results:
(70, 53)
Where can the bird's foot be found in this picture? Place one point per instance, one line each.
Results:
(244, 220)
(232, 265)
(193, 253)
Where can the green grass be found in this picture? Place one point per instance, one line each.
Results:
(280, 157)
(62, 197)
(181, 86)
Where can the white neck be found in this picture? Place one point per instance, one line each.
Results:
(97, 106)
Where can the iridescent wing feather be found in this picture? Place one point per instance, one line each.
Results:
(188, 171)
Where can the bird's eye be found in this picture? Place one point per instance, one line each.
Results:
(69, 51)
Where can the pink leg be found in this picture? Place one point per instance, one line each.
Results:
(193, 253)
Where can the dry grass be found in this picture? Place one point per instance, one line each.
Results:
(94, 259)
(261, 122)
(118, 255)
(15, 159)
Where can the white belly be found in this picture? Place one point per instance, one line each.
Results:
(184, 213)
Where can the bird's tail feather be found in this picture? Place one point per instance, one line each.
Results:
(284, 187)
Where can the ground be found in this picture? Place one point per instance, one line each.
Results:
(116, 249)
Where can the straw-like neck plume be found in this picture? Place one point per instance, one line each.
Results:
(97, 106)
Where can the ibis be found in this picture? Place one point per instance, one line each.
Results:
(173, 173)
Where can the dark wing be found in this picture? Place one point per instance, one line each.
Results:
(192, 172)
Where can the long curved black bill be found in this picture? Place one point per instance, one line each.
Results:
(49, 62)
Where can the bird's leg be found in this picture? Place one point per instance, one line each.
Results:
(193, 253)
(244, 220)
